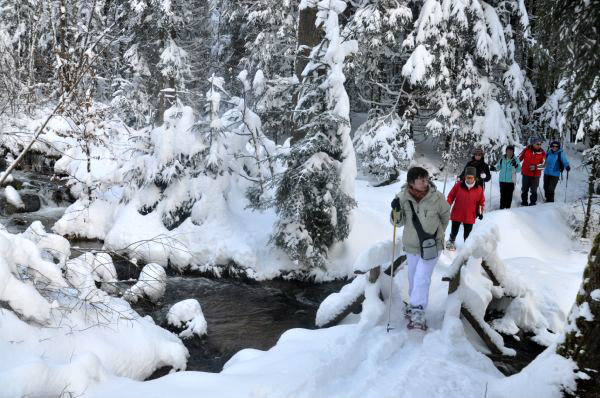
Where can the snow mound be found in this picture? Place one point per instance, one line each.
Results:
(13, 197)
(188, 314)
(526, 311)
(62, 334)
(52, 247)
(151, 283)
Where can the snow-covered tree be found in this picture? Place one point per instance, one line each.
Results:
(183, 168)
(384, 146)
(379, 27)
(463, 62)
(315, 194)
(566, 32)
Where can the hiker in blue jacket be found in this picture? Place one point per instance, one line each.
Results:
(556, 162)
(508, 166)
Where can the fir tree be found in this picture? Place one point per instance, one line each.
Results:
(315, 194)
(459, 62)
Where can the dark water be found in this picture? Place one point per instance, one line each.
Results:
(240, 314)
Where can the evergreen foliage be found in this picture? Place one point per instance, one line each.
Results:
(313, 198)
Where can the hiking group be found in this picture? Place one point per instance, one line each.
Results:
(425, 213)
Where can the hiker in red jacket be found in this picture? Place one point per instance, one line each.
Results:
(468, 199)
(533, 158)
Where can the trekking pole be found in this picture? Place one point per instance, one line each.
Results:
(389, 315)
(566, 186)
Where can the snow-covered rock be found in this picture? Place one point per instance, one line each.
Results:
(13, 197)
(151, 283)
(187, 314)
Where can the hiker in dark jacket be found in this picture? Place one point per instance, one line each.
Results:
(508, 166)
(483, 170)
(533, 158)
(467, 201)
(556, 162)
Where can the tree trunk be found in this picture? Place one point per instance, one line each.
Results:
(308, 36)
(594, 140)
(582, 344)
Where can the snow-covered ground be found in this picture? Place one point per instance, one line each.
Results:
(72, 353)
(353, 360)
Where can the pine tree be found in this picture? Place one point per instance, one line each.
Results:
(315, 194)
(384, 146)
(463, 63)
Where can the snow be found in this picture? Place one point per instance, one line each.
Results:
(151, 284)
(13, 197)
(493, 128)
(335, 303)
(187, 314)
(62, 335)
(416, 66)
(358, 358)
(595, 295)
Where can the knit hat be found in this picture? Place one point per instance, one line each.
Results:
(555, 143)
(470, 171)
(478, 151)
(535, 140)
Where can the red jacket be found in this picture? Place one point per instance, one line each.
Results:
(532, 158)
(466, 201)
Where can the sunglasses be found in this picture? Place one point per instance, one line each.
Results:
(554, 146)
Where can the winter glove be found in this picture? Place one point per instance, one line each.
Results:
(568, 168)
(492, 168)
(479, 215)
(396, 204)
(514, 163)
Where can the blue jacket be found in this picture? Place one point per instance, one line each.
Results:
(508, 173)
(552, 167)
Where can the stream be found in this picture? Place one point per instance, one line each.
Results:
(239, 313)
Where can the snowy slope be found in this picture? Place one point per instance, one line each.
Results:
(361, 360)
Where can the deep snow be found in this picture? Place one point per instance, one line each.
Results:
(536, 247)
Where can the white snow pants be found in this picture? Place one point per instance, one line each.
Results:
(419, 278)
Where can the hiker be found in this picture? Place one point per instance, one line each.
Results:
(467, 201)
(483, 170)
(556, 162)
(423, 211)
(533, 158)
(508, 166)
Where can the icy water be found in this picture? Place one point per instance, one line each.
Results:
(240, 314)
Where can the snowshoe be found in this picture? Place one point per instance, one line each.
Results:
(407, 312)
(417, 319)
(451, 246)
